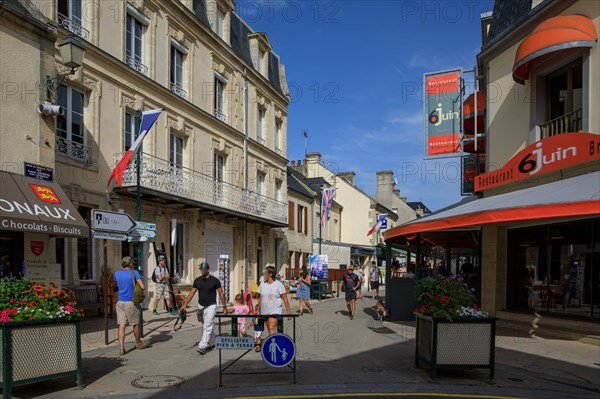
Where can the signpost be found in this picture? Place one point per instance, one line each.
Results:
(109, 236)
(114, 222)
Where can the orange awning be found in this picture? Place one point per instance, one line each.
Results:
(554, 34)
(469, 112)
(576, 196)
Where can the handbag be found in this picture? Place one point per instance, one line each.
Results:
(138, 292)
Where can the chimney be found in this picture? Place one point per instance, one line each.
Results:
(312, 165)
(293, 163)
(350, 177)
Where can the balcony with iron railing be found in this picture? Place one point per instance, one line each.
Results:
(177, 89)
(161, 176)
(72, 149)
(135, 62)
(73, 25)
(571, 122)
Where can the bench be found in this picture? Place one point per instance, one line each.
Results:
(322, 290)
(88, 298)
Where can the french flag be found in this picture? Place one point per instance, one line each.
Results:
(381, 221)
(148, 119)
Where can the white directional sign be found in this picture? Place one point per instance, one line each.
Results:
(112, 221)
(136, 239)
(109, 236)
(225, 342)
(142, 233)
(145, 226)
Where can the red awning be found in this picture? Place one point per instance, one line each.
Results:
(554, 34)
(577, 196)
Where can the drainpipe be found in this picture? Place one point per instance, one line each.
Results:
(245, 277)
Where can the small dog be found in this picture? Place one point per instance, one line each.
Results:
(382, 311)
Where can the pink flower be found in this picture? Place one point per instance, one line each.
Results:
(69, 308)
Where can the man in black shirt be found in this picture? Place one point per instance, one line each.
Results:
(207, 287)
(349, 284)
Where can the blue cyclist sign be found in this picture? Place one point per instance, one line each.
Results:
(278, 350)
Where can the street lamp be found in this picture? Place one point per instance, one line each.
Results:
(71, 53)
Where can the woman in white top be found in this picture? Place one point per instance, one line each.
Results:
(271, 300)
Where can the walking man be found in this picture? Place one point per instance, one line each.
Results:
(375, 279)
(359, 274)
(349, 284)
(162, 286)
(207, 287)
(127, 312)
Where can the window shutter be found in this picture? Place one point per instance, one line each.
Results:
(291, 212)
(305, 220)
(299, 227)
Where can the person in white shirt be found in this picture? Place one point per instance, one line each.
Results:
(272, 299)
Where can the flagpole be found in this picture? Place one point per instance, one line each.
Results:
(138, 200)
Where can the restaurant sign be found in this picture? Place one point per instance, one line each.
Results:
(443, 113)
(547, 155)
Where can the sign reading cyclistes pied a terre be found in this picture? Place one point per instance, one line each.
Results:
(443, 113)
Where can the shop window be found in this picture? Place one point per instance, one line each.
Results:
(556, 269)
(85, 249)
(59, 256)
(11, 254)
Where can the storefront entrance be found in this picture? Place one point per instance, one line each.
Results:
(11, 253)
(555, 268)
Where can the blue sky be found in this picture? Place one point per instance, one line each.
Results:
(355, 69)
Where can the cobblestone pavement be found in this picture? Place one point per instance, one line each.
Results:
(336, 356)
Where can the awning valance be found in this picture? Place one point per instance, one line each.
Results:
(577, 196)
(554, 34)
(31, 205)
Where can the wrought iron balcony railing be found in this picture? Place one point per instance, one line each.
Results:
(177, 89)
(136, 63)
(72, 149)
(73, 26)
(220, 115)
(566, 123)
(161, 176)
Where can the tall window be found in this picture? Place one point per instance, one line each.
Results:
(178, 53)
(260, 183)
(291, 213)
(260, 122)
(278, 190)
(129, 131)
(176, 151)
(220, 99)
(219, 23)
(278, 136)
(301, 218)
(261, 56)
(134, 44)
(564, 100)
(219, 168)
(70, 130)
(70, 17)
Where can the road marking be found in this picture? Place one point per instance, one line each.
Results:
(388, 394)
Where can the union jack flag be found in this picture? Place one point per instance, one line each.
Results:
(326, 200)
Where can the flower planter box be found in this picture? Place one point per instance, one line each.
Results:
(461, 343)
(38, 351)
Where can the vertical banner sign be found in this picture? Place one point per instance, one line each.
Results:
(472, 165)
(443, 113)
(319, 265)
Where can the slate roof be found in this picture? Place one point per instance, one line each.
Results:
(316, 182)
(418, 204)
(294, 185)
(507, 15)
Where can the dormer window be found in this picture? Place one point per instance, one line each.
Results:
(260, 63)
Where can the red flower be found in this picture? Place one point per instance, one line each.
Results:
(32, 304)
(12, 300)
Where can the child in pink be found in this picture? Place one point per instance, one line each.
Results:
(240, 308)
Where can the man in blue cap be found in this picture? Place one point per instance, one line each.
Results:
(207, 287)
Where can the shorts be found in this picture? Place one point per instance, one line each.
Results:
(127, 313)
(374, 285)
(259, 324)
(350, 296)
(162, 291)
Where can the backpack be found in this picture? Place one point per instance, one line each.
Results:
(154, 276)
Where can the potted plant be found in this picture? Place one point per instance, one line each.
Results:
(40, 333)
(452, 332)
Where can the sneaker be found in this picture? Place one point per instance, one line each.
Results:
(202, 351)
(351, 317)
(143, 345)
(155, 313)
(173, 313)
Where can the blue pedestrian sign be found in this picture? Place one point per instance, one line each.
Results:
(278, 350)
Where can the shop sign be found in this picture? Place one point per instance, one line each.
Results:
(443, 113)
(38, 172)
(547, 155)
(472, 165)
(37, 247)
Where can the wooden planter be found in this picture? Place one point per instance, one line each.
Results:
(464, 342)
(38, 351)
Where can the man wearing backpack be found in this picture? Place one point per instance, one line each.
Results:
(127, 311)
(161, 278)
(349, 284)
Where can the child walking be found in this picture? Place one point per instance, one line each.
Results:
(240, 308)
